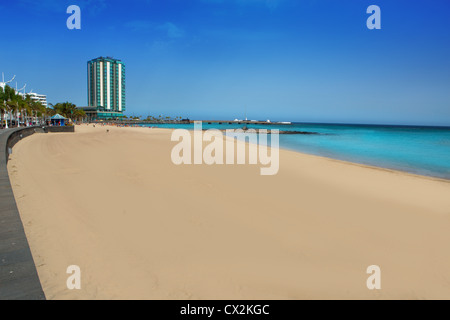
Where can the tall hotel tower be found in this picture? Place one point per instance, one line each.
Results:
(106, 89)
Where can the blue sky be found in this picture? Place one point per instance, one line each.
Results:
(289, 60)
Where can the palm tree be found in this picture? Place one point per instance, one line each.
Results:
(19, 110)
(37, 110)
(50, 111)
(10, 109)
(79, 114)
(8, 96)
(65, 109)
(13, 104)
(18, 106)
(26, 109)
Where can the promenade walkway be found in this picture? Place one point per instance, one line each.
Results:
(18, 276)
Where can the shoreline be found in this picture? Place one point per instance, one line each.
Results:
(397, 171)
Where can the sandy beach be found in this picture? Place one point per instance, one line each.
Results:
(140, 227)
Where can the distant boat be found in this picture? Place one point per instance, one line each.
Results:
(285, 122)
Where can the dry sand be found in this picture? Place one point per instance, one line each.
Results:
(140, 227)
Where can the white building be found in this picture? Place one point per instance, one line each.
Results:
(42, 98)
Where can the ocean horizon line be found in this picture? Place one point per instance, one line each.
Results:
(287, 122)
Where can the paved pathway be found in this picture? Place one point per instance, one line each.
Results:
(18, 276)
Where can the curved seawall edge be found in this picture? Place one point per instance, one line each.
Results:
(19, 279)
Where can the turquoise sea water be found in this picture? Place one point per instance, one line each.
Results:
(419, 150)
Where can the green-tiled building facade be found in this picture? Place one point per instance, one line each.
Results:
(106, 88)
